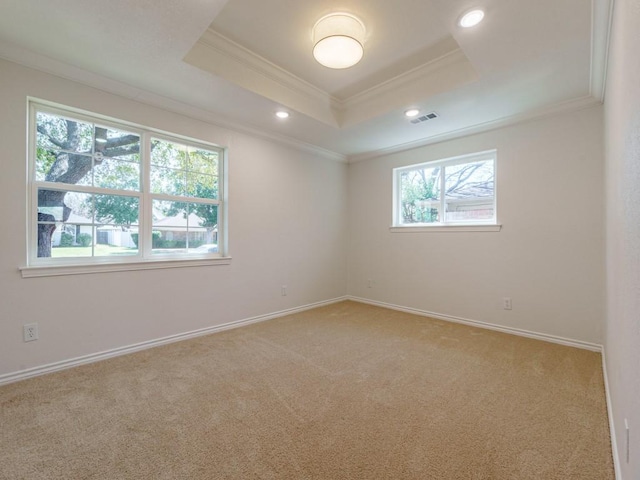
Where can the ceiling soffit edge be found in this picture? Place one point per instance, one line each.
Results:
(414, 86)
(223, 57)
(402, 66)
(261, 65)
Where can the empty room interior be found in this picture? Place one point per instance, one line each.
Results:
(344, 239)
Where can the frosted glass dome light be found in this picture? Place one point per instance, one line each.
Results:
(338, 40)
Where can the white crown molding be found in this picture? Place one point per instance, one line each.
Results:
(220, 56)
(63, 70)
(601, 26)
(116, 352)
(416, 74)
(261, 65)
(223, 57)
(566, 106)
(440, 75)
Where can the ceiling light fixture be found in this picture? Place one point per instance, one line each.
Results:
(412, 112)
(282, 114)
(338, 40)
(471, 18)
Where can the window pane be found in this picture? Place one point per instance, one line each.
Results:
(470, 191)
(67, 150)
(114, 143)
(168, 181)
(64, 221)
(63, 150)
(166, 213)
(169, 240)
(72, 240)
(169, 227)
(117, 175)
(116, 241)
(470, 180)
(45, 158)
(203, 247)
(57, 206)
(59, 133)
(203, 161)
(168, 154)
(204, 220)
(197, 237)
(63, 167)
(420, 195)
(74, 224)
(469, 211)
(184, 227)
(202, 186)
(117, 209)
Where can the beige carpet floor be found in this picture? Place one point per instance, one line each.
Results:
(348, 391)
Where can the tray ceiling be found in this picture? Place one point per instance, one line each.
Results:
(235, 62)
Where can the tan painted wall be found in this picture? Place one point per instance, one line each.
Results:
(287, 225)
(549, 256)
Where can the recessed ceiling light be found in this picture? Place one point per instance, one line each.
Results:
(282, 114)
(471, 18)
(412, 112)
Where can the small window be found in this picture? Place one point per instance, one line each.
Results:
(454, 191)
(106, 192)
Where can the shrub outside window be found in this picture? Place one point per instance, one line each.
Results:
(103, 191)
(454, 191)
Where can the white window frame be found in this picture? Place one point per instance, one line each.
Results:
(145, 258)
(489, 225)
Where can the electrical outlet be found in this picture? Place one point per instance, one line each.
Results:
(369, 283)
(30, 332)
(506, 303)
(626, 429)
(284, 290)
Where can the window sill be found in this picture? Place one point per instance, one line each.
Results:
(445, 228)
(79, 269)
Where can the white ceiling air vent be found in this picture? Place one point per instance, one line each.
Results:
(424, 118)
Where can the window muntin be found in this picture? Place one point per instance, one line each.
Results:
(468, 184)
(89, 200)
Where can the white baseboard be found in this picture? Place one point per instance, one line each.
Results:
(490, 326)
(612, 426)
(96, 357)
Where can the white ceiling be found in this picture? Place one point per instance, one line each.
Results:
(526, 59)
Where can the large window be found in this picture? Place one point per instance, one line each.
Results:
(107, 192)
(455, 191)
